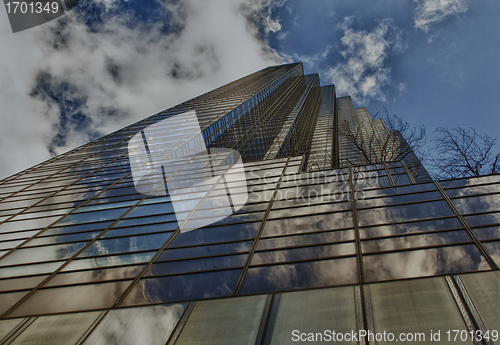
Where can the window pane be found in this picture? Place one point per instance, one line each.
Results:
(424, 262)
(25, 270)
(112, 260)
(8, 299)
(6, 326)
(46, 253)
(424, 240)
(97, 275)
(415, 306)
(320, 310)
(297, 254)
(487, 233)
(493, 248)
(205, 264)
(314, 223)
(173, 288)
(134, 326)
(300, 276)
(21, 283)
(401, 213)
(127, 244)
(141, 229)
(484, 290)
(412, 227)
(65, 299)
(56, 329)
(291, 241)
(237, 322)
(216, 249)
(224, 233)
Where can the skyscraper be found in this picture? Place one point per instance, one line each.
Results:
(267, 211)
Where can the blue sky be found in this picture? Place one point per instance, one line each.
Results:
(112, 62)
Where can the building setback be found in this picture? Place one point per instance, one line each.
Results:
(267, 211)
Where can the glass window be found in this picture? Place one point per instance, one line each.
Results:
(224, 233)
(416, 306)
(147, 220)
(46, 253)
(8, 299)
(127, 244)
(94, 216)
(478, 204)
(173, 288)
(484, 291)
(210, 250)
(237, 322)
(483, 219)
(112, 260)
(141, 229)
(398, 199)
(61, 239)
(401, 213)
(153, 209)
(320, 310)
(493, 248)
(16, 271)
(56, 329)
(330, 221)
(302, 240)
(487, 233)
(301, 275)
(424, 240)
(132, 326)
(76, 228)
(297, 254)
(66, 299)
(21, 283)
(412, 227)
(7, 326)
(96, 275)
(313, 209)
(424, 262)
(205, 264)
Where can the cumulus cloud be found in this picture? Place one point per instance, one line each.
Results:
(429, 12)
(74, 79)
(362, 72)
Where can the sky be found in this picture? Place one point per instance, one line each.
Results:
(109, 63)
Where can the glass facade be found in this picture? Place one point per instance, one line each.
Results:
(323, 242)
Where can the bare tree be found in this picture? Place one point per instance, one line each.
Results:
(378, 140)
(462, 152)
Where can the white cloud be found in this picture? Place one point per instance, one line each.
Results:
(120, 74)
(363, 73)
(429, 12)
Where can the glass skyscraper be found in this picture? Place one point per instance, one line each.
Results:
(249, 215)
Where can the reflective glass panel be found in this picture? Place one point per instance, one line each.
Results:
(46, 253)
(416, 306)
(204, 264)
(8, 299)
(216, 249)
(297, 254)
(96, 275)
(300, 240)
(224, 233)
(484, 290)
(21, 283)
(320, 310)
(6, 326)
(141, 229)
(237, 322)
(300, 275)
(411, 227)
(493, 248)
(127, 244)
(183, 287)
(56, 329)
(66, 299)
(424, 262)
(16, 271)
(132, 326)
(330, 221)
(487, 233)
(112, 260)
(424, 240)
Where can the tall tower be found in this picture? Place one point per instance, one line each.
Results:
(267, 211)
